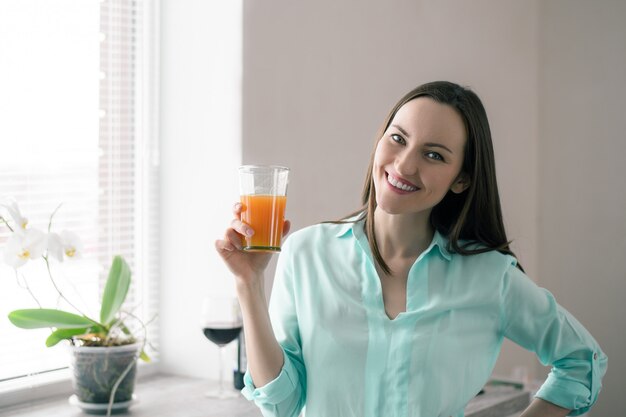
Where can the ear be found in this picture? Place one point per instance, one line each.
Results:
(461, 183)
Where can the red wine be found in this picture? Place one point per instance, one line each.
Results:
(223, 335)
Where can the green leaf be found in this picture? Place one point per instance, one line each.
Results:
(144, 357)
(38, 318)
(62, 334)
(115, 290)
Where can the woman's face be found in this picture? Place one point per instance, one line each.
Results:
(419, 158)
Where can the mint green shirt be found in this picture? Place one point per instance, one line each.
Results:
(344, 357)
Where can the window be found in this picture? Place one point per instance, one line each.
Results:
(78, 108)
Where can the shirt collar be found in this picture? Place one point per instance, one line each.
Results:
(439, 240)
(344, 228)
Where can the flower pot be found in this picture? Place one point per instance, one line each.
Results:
(96, 370)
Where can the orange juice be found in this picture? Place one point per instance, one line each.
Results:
(266, 215)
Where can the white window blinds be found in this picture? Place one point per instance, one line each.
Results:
(78, 128)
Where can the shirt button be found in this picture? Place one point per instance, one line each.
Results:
(595, 356)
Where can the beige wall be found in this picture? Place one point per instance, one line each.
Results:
(582, 157)
(320, 76)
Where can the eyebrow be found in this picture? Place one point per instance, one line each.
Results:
(429, 144)
(404, 132)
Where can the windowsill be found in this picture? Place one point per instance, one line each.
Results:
(44, 388)
(39, 387)
(158, 395)
(161, 395)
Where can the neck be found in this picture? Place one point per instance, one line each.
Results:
(402, 235)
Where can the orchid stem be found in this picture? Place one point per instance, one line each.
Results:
(52, 215)
(6, 223)
(27, 287)
(128, 368)
(57, 288)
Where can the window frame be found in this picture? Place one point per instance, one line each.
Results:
(56, 383)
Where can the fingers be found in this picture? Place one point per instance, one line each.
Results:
(286, 227)
(233, 238)
(241, 228)
(237, 209)
(232, 241)
(223, 246)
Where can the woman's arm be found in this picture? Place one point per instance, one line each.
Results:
(534, 320)
(543, 408)
(276, 375)
(265, 356)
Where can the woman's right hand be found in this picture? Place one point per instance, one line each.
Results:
(247, 267)
(265, 356)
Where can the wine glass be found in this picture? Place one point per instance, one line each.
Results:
(221, 324)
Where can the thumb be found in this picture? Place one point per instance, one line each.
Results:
(286, 227)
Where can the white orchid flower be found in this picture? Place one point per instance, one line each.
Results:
(67, 243)
(21, 247)
(14, 212)
(55, 246)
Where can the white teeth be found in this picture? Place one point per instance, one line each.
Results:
(399, 185)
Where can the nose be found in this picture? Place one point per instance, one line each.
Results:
(406, 163)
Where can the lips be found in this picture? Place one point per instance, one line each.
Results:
(400, 184)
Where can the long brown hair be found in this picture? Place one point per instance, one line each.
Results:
(474, 215)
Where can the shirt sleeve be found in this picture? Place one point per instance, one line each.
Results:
(286, 394)
(534, 320)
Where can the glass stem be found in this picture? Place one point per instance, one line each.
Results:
(221, 370)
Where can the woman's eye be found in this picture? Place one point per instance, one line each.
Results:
(434, 155)
(397, 138)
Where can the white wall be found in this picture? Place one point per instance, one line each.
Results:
(200, 150)
(319, 78)
(582, 157)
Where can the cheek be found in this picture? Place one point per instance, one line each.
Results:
(379, 158)
(378, 167)
(379, 151)
(439, 181)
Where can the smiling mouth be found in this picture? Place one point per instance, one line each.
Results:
(396, 183)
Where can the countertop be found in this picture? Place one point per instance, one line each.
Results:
(176, 396)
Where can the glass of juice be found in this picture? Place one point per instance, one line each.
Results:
(263, 191)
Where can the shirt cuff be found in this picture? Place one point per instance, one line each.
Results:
(573, 394)
(275, 391)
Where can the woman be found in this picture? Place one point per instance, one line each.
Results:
(401, 308)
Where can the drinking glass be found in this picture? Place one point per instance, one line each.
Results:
(263, 193)
(221, 324)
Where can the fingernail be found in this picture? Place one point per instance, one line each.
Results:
(249, 232)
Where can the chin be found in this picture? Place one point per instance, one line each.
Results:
(389, 208)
